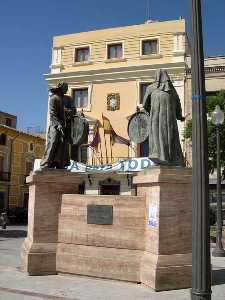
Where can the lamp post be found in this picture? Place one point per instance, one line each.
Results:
(218, 119)
(201, 266)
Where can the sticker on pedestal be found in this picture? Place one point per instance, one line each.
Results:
(152, 215)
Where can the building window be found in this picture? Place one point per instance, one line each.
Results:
(31, 147)
(4, 176)
(29, 167)
(2, 139)
(74, 152)
(114, 51)
(82, 54)
(2, 201)
(8, 122)
(25, 200)
(150, 47)
(81, 98)
(178, 42)
(79, 153)
(144, 148)
(84, 154)
(142, 90)
(56, 56)
(1, 164)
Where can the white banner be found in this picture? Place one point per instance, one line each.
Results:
(130, 165)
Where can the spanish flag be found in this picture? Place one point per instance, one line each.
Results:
(96, 141)
(115, 138)
(107, 125)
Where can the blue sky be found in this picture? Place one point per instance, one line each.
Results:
(27, 27)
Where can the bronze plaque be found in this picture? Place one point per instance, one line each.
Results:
(100, 214)
(138, 127)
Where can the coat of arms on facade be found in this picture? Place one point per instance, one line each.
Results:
(113, 101)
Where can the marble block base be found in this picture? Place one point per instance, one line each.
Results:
(166, 262)
(38, 255)
(149, 239)
(108, 251)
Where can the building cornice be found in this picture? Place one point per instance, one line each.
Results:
(159, 26)
(8, 115)
(116, 73)
(7, 130)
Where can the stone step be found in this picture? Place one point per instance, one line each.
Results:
(122, 264)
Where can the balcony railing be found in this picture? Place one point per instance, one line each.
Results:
(4, 176)
(214, 69)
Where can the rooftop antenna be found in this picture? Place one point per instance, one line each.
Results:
(147, 15)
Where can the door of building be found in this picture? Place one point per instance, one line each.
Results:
(25, 200)
(2, 201)
(109, 187)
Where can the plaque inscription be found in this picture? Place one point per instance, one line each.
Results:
(99, 214)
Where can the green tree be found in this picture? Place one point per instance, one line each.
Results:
(211, 102)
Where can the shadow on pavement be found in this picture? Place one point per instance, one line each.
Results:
(13, 233)
(218, 277)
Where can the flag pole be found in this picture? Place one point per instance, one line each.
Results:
(106, 153)
(111, 146)
(92, 158)
(100, 145)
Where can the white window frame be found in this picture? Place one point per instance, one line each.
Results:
(114, 43)
(139, 82)
(56, 56)
(179, 42)
(78, 87)
(85, 61)
(150, 39)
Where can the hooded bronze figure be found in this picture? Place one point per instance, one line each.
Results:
(55, 151)
(163, 104)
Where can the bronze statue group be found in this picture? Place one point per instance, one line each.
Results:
(161, 103)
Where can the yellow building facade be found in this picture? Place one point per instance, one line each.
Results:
(117, 63)
(18, 151)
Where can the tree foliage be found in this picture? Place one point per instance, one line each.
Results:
(211, 102)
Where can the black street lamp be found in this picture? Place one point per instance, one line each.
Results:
(201, 265)
(218, 119)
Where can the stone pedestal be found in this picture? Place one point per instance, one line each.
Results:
(45, 193)
(148, 238)
(166, 261)
(109, 251)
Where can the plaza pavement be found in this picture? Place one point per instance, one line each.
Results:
(19, 286)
